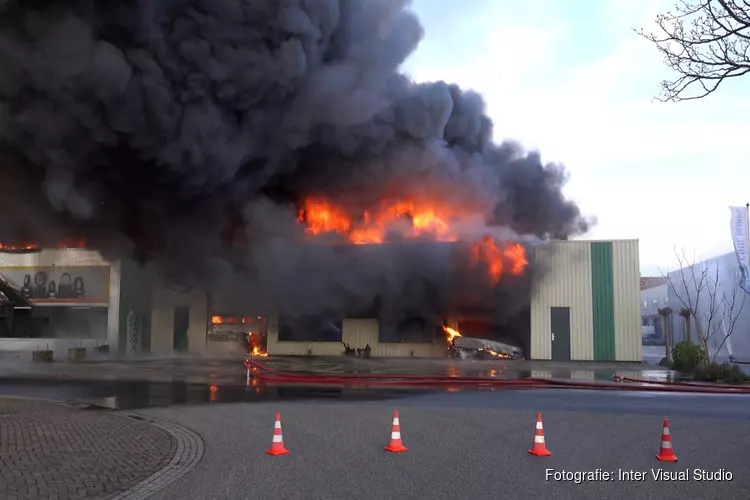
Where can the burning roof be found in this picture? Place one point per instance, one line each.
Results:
(25, 247)
(409, 220)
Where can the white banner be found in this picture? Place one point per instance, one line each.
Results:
(740, 240)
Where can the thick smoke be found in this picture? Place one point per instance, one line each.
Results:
(167, 125)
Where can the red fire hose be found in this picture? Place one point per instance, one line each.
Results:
(683, 384)
(393, 380)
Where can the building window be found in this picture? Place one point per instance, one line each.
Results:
(310, 329)
(411, 330)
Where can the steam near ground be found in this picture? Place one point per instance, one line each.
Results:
(144, 124)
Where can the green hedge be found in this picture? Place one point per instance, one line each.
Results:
(690, 359)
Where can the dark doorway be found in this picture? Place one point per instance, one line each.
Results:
(560, 326)
(181, 325)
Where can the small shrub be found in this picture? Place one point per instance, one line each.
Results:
(665, 363)
(732, 374)
(687, 357)
(715, 372)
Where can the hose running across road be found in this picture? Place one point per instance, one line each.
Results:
(445, 381)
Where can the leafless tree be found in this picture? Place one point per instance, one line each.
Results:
(705, 42)
(666, 314)
(713, 307)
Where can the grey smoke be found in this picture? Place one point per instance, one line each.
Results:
(162, 122)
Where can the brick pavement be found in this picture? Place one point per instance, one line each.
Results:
(55, 452)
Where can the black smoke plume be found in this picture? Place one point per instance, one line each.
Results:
(160, 127)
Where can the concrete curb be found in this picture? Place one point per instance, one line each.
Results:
(190, 448)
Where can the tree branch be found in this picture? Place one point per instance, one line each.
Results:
(705, 42)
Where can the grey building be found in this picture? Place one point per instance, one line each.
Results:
(711, 288)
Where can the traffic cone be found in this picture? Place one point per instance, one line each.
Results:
(666, 452)
(277, 445)
(396, 446)
(540, 448)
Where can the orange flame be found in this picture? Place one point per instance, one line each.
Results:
(410, 219)
(258, 352)
(19, 247)
(63, 244)
(507, 258)
(451, 333)
(497, 354)
(320, 216)
(253, 346)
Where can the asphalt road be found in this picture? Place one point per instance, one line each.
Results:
(466, 445)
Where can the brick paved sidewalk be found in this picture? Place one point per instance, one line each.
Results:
(50, 451)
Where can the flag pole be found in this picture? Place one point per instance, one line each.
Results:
(747, 248)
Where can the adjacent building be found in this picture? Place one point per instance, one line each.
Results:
(654, 296)
(711, 289)
(585, 305)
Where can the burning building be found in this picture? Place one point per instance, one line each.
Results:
(583, 304)
(351, 192)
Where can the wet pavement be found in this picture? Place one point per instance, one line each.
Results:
(136, 394)
(155, 383)
(232, 371)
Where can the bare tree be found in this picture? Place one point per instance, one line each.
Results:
(705, 42)
(713, 307)
(666, 316)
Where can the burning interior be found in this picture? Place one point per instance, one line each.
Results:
(480, 272)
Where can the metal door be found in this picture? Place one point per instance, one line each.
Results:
(560, 323)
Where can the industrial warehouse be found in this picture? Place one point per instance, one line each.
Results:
(584, 306)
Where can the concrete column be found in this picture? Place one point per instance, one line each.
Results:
(197, 331)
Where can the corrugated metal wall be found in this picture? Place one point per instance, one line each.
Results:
(357, 333)
(164, 301)
(599, 282)
(603, 300)
(626, 276)
(565, 282)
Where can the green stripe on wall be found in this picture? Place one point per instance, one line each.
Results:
(603, 296)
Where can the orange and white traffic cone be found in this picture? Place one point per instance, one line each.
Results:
(666, 452)
(540, 448)
(396, 445)
(277, 445)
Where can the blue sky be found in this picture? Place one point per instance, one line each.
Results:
(571, 79)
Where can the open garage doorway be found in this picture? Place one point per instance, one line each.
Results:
(514, 332)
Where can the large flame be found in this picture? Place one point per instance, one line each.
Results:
(501, 258)
(407, 218)
(451, 333)
(411, 219)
